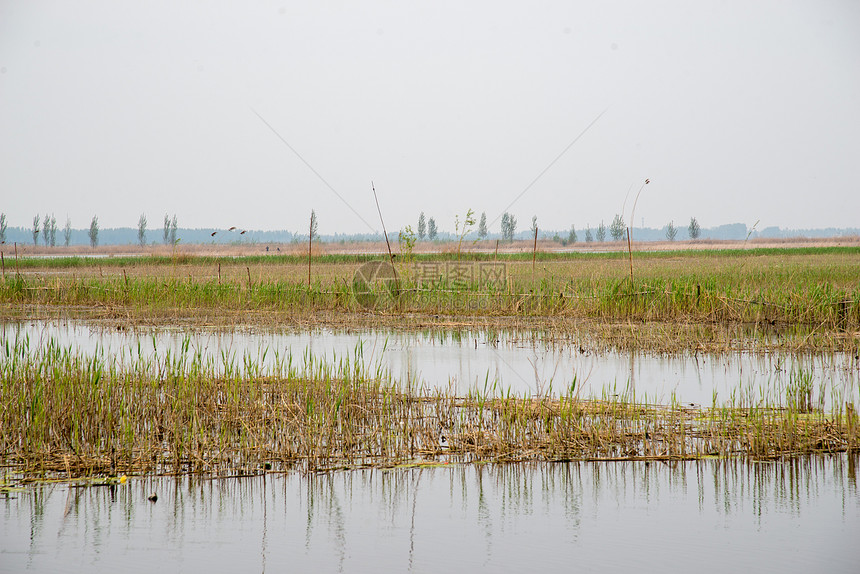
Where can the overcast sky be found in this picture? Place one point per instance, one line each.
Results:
(736, 111)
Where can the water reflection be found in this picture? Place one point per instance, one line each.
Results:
(492, 362)
(801, 514)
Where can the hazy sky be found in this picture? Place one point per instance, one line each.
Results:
(737, 112)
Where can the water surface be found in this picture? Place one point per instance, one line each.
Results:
(497, 362)
(801, 515)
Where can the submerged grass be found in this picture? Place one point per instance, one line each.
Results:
(68, 414)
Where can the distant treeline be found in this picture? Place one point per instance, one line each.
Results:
(129, 235)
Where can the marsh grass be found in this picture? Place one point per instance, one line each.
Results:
(68, 414)
(822, 301)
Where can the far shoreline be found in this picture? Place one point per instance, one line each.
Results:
(424, 247)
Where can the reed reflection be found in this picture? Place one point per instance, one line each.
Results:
(447, 516)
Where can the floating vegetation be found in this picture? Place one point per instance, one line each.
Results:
(67, 414)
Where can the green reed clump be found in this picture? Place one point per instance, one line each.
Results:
(178, 410)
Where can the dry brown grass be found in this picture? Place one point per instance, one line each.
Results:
(840, 269)
(425, 247)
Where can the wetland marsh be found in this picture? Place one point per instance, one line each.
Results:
(241, 372)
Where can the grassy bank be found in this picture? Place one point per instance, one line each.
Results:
(818, 297)
(682, 300)
(66, 414)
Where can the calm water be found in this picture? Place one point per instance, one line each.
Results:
(711, 516)
(714, 516)
(519, 363)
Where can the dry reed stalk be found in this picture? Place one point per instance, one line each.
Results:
(385, 233)
(630, 256)
(310, 242)
(852, 424)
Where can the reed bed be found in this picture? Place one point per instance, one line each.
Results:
(69, 414)
(820, 305)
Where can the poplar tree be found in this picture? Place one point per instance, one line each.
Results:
(694, 229)
(671, 231)
(141, 230)
(422, 226)
(36, 230)
(94, 232)
(431, 229)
